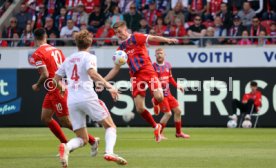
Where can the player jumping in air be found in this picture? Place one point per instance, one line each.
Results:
(169, 103)
(47, 60)
(81, 69)
(141, 71)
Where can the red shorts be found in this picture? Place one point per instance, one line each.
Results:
(57, 103)
(168, 103)
(144, 78)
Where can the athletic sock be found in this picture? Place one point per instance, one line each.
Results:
(178, 126)
(163, 126)
(91, 139)
(110, 140)
(147, 116)
(56, 130)
(75, 143)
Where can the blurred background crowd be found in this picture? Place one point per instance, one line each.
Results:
(188, 20)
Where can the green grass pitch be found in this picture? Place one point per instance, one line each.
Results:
(207, 148)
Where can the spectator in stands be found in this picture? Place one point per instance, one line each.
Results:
(144, 27)
(151, 14)
(178, 31)
(4, 7)
(55, 42)
(27, 35)
(116, 15)
(225, 15)
(235, 30)
(235, 5)
(3, 43)
(251, 102)
(80, 17)
(246, 14)
(269, 10)
(53, 7)
(255, 28)
(245, 40)
(49, 26)
(210, 32)
(213, 7)
(163, 6)
(15, 40)
(125, 5)
(11, 29)
(67, 31)
(71, 6)
(262, 41)
(96, 18)
(105, 32)
(273, 32)
(184, 4)
(197, 30)
(39, 19)
(132, 18)
(159, 28)
(107, 7)
(89, 5)
(220, 31)
(61, 19)
(197, 7)
(23, 17)
(175, 13)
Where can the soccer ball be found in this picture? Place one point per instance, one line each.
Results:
(232, 124)
(119, 57)
(127, 117)
(246, 124)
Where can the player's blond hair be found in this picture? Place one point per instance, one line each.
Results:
(159, 49)
(83, 39)
(119, 24)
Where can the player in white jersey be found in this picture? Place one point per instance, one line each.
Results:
(81, 70)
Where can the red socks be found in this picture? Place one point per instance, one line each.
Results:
(147, 116)
(163, 126)
(56, 130)
(178, 126)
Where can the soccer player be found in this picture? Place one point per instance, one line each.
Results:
(47, 60)
(141, 70)
(81, 70)
(169, 103)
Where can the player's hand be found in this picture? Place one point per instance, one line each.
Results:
(172, 41)
(114, 93)
(35, 87)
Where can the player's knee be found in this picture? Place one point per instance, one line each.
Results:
(66, 124)
(45, 119)
(169, 114)
(140, 109)
(159, 97)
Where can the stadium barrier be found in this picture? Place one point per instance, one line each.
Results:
(212, 77)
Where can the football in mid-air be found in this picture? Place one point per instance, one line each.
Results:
(232, 124)
(119, 57)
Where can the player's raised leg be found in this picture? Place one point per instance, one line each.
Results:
(178, 123)
(46, 117)
(140, 108)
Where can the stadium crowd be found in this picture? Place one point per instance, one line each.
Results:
(212, 19)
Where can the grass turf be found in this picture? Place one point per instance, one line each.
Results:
(207, 148)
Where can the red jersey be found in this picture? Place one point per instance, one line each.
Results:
(138, 57)
(50, 57)
(256, 97)
(89, 5)
(164, 72)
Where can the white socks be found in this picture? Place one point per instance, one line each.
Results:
(74, 143)
(110, 139)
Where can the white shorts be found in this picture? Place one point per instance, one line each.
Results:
(95, 109)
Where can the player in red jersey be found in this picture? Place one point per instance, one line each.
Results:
(169, 103)
(141, 70)
(47, 59)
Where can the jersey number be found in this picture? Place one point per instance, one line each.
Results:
(75, 75)
(57, 57)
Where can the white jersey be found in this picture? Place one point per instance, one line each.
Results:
(80, 85)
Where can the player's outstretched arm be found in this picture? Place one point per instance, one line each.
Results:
(162, 39)
(97, 77)
(113, 72)
(44, 74)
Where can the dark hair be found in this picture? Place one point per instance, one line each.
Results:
(39, 33)
(253, 84)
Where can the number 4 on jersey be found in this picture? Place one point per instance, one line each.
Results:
(75, 75)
